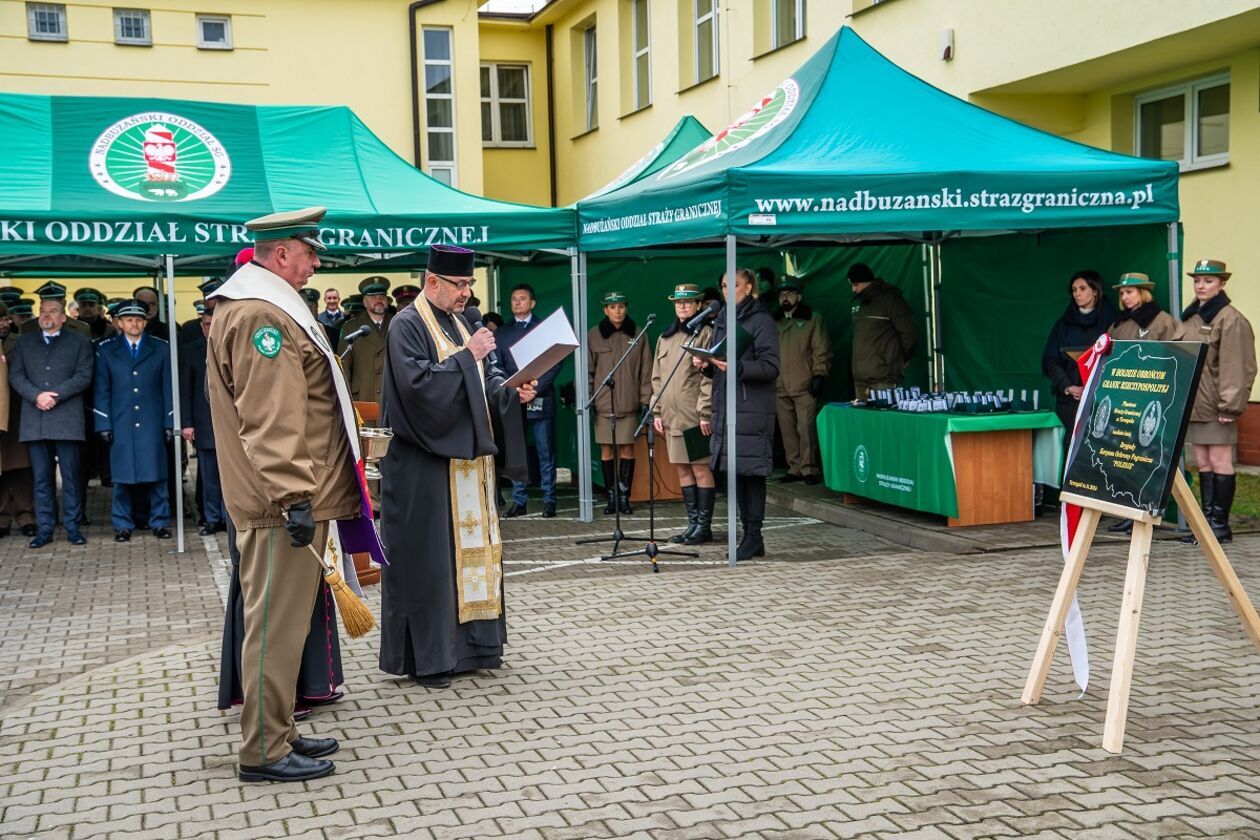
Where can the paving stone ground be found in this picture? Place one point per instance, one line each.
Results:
(854, 690)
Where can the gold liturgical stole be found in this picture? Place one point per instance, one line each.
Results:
(474, 519)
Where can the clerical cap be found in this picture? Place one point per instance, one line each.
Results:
(295, 224)
(613, 297)
(52, 290)
(451, 261)
(131, 307)
(376, 285)
(210, 286)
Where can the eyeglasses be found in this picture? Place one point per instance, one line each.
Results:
(467, 284)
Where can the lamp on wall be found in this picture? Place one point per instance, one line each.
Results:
(947, 44)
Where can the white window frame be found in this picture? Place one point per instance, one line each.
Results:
(1190, 93)
(449, 167)
(145, 40)
(56, 8)
(775, 41)
(590, 70)
(203, 44)
(495, 100)
(636, 52)
(711, 15)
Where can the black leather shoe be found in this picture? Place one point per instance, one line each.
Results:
(162, 533)
(29, 530)
(4, 532)
(40, 541)
(515, 510)
(434, 680)
(1123, 526)
(122, 536)
(789, 478)
(549, 510)
(322, 701)
(315, 747)
(812, 479)
(206, 530)
(77, 539)
(294, 767)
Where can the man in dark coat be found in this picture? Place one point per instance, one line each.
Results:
(50, 370)
(134, 415)
(442, 610)
(91, 312)
(198, 430)
(884, 334)
(52, 290)
(154, 325)
(540, 413)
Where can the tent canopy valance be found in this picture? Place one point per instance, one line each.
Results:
(853, 145)
(126, 180)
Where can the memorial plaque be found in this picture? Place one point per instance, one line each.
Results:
(1137, 407)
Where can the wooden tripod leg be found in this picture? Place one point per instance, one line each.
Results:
(1126, 638)
(1059, 607)
(1216, 558)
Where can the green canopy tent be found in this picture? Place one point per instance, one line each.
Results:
(131, 186)
(851, 148)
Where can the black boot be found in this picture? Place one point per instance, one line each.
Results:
(1207, 492)
(751, 545)
(689, 500)
(703, 532)
(610, 484)
(1222, 501)
(755, 512)
(627, 481)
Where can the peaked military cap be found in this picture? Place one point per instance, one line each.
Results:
(353, 304)
(451, 260)
(11, 297)
(10, 290)
(295, 224)
(131, 307)
(406, 292)
(89, 295)
(1134, 280)
(52, 290)
(685, 291)
(613, 297)
(210, 286)
(309, 295)
(27, 302)
(200, 306)
(23, 309)
(375, 285)
(788, 283)
(1215, 268)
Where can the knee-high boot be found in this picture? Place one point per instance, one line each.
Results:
(1222, 501)
(703, 532)
(627, 480)
(754, 512)
(610, 485)
(1207, 493)
(689, 500)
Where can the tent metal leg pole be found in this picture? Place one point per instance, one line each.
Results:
(586, 494)
(928, 328)
(731, 375)
(938, 357)
(1174, 271)
(178, 447)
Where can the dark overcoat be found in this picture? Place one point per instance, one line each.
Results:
(194, 405)
(757, 369)
(63, 366)
(133, 400)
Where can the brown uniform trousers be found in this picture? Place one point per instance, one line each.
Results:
(279, 438)
(17, 484)
(804, 352)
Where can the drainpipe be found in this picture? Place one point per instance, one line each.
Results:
(551, 109)
(415, 79)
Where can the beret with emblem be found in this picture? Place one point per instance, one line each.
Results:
(301, 224)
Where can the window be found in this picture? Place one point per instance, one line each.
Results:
(706, 39)
(592, 79)
(641, 45)
(1188, 123)
(46, 22)
(439, 104)
(505, 117)
(787, 23)
(131, 27)
(214, 32)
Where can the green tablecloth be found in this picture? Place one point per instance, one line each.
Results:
(907, 460)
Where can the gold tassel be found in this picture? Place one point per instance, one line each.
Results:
(355, 615)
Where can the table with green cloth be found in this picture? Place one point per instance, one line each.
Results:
(907, 459)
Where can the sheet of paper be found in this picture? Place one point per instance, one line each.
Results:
(541, 348)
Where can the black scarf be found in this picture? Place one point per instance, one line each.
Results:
(606, 328)
(673, 329)
(1209, 310)
(1144, 314)
(801, 313)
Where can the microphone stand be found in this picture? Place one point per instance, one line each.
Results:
(618, 535)
(651, 551)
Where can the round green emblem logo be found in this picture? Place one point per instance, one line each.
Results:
(267, 341)
(761, 118)
(861, 463)
(158, 156)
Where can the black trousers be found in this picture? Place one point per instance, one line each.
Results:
(750, 495)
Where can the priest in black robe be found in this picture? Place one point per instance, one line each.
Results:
(444, 397)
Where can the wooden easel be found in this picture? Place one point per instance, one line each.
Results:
(1131, 607)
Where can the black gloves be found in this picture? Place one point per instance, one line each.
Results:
(300, 523)
(106, 437)
(816, 384)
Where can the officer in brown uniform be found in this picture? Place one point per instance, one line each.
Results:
(683, 408)
(1140, 316)
(364, 361)
(17, 483)
(628, 397)
(804, 362)
(285, 466)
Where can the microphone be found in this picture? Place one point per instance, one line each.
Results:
(357, 334)
(473, 316)
(705, 314)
